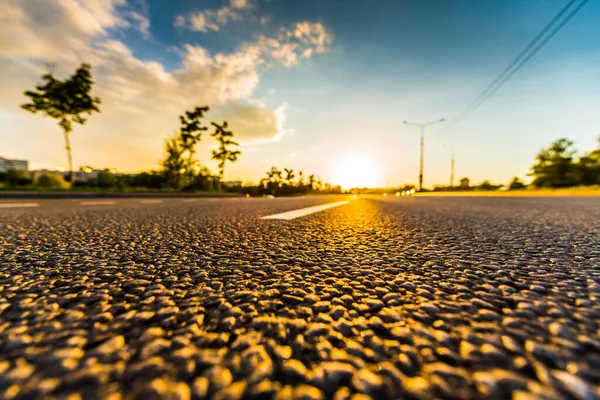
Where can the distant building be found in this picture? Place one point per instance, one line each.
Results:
(83, 175)
(232, 184)
(86, 173)
(6, 164)
(464, 183)
(35, 175)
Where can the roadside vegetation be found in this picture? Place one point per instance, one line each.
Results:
(559, 166)
(67, 101)
(180, 169)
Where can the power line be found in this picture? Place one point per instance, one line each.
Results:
(520, 56)
(519, 61)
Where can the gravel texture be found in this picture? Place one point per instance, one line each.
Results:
(415, 298)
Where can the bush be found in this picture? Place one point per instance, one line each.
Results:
(106, 180)
(53, 181)
(18, 177)
(516, 184)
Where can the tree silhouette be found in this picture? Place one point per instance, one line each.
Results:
(224, 153)
(65, 101)
(289, 175)
(300, 179)
(589, 167)
(555, 165)
(311, 182)
(174, 164)
(274, 179)
(516, 184)
(190, 133)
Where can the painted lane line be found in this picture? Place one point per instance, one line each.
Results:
(305, 211)
(98, 203)
(19, 205)
(151, 201)
(190, 200)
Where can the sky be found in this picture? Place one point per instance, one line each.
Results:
(306, 84)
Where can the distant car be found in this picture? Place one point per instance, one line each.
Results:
(270, 196)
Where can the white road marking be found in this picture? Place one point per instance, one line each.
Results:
(98, 203)
(305, 211)
(151, 201)
(19, 205)
(190, 200)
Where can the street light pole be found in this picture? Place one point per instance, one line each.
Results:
(451, 166)
(422, 126)
(421, 163)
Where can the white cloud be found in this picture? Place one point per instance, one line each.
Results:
(141, 99)
(302, 41)
(139, 22)
(212, 20)
(251, 123)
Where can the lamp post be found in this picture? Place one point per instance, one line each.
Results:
(422, 126)
(451, 165)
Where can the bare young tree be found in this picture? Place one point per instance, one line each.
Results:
(224, 153)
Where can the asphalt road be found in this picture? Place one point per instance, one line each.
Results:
(390, 297)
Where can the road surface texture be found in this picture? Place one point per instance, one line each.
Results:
(415, 298)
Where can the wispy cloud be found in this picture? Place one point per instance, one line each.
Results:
(140, 98)
(212, 20)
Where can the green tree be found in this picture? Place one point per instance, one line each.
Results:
(224, 153)
(106, 180)
(589, 167)
(148, 180)
(173, 165)
(555, 166)
(190, 134)
(65, 101)
(18, 177)
(516, 184)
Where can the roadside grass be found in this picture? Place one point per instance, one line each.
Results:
(529, 192)
(33, 188)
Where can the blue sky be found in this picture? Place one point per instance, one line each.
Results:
(368, 66)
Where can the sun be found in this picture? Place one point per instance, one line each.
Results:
(356, 170)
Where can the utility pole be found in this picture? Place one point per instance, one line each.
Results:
(422, 126)
(451, 165)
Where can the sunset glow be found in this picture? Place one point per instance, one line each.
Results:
(356, 170)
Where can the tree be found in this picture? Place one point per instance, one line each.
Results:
(106, 180)
(516, 184)
(487, 185)
(589, 167)
(555, 166)
(311, 182)
(224, 153)
(190, 133)
(65, 101)
(319, 184)
(18, 177)
(300, 179)
(173, 164)
(273, 179)
(289, 175)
